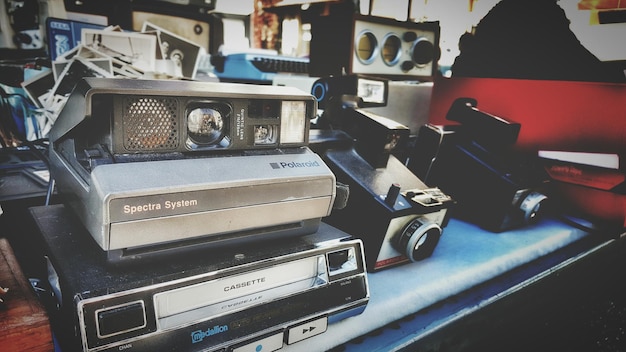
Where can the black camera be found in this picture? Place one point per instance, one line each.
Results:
(494, 185)
(398, 217)
(372, 91)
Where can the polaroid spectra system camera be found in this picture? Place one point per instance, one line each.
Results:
(397, 216)
(475, 162)
(271, 294)
(152, 167)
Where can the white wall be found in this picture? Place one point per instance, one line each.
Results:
(606, 41)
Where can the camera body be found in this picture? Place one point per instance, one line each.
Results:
(399, 218)
(475, 162)
(372, 91)
(154, 167)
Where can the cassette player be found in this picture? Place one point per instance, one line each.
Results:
(155, 167)
(271, 294)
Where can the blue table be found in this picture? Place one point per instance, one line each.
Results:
(465, 259)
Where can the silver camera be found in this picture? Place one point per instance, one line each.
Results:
(154, 166)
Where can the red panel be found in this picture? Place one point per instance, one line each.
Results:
(595, 204)
(555, 115)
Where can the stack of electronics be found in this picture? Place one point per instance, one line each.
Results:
(192, 220)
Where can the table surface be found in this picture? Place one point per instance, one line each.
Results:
(465, 257)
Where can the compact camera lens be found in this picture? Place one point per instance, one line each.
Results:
(418, 239)
(206, 125)
(265, 134)
(391, 50)
(531, 206)
(320, 89)
(392, 141)
(366, 47)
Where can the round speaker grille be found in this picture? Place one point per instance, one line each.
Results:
(150, 124)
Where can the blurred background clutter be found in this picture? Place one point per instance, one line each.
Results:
(43, 42)
(491, 111)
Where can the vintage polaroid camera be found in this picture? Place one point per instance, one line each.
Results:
(495, 186)
(399, 218)
(153, 167)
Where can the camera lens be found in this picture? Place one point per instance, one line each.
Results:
(418, 239)
(531, 206)
(392, 141)
(366, 47)
(391, 50)
(207, 125)
(320, 89)
(265, 135)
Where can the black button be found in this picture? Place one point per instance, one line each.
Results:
(121, 319)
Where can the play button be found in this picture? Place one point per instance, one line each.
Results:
(306, 330)
(310, 329)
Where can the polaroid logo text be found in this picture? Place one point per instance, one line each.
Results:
(293, 164)
(199, 335)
